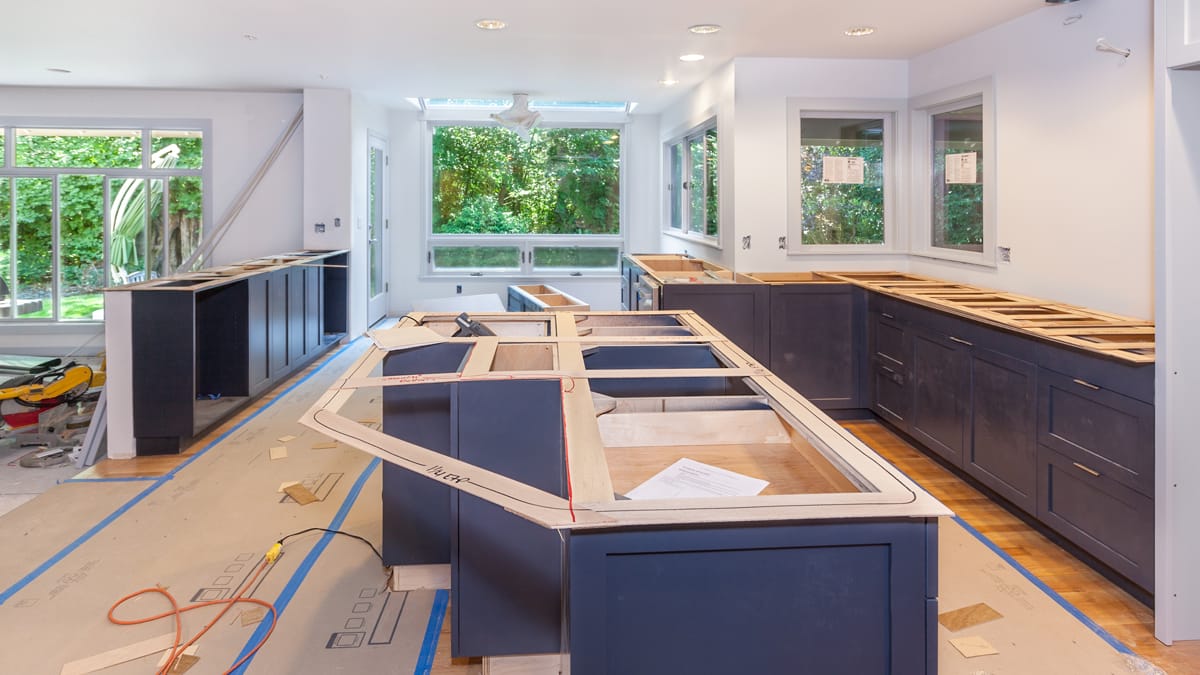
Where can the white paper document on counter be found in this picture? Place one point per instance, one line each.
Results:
(689, 478)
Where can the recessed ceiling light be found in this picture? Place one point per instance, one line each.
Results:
(490, 24)
(668, 82)
(704, 28)
(859, 31)
(692, 57)
(59, 70)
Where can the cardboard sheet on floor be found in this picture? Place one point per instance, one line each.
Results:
(966, 617)
(200, 535)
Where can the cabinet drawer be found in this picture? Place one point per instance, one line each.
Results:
(1108, 432)
(889, 340)
(1100, 515)
(891, 395)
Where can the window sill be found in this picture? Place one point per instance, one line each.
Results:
(703, 240)
(973, 259)
(519, 276)
(846, 249)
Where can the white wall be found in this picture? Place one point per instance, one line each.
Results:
(714, 97)
(1074, 163)
(762, 87)
(245, 126)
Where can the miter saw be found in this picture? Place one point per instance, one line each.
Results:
(25, 397)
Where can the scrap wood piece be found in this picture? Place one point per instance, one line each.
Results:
(287, 484)
(119, 655)
(183, 662)
(250, 617)
(325, 445)
(279, 452)
(285, 439)
(419, 578)
(300, 494)
(973, 646)
(966, 617)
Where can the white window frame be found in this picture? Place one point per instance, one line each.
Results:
(525, 242)
(677, 194)
(8, 169)
(893, 112)
(922, 110)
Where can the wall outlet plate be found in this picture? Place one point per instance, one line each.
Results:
(1004, 254)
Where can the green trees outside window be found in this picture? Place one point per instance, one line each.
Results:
(62, 174)
(847, 208)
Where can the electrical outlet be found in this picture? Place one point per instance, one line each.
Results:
(1004, 253)
(319, 228)
(783, 243)
(458, 289)
(746, 243)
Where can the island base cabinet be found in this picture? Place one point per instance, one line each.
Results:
(1098, 514)
(822, 598)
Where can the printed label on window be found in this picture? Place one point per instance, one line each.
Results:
(961, 168)
(842, 170)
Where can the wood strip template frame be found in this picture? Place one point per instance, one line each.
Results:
(885, 492)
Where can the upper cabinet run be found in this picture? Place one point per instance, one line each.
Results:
(1183, 33)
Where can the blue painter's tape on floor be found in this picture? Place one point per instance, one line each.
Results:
(158, 482)
(1062, 602)
(433, 630)
(293, 584)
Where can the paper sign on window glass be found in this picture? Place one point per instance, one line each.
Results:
(961, 168)
(842, 170)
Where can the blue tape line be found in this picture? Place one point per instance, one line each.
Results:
(121, 479)
(1062, 602)
(293, 584)
(158, 482)
(433, 631)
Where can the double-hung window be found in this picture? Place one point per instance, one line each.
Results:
(504, 205)
(85, 206)
(693, 202)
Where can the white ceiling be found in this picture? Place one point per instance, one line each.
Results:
(390, 50)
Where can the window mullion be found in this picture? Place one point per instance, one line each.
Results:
(55, 249)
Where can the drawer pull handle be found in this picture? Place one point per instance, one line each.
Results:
(1086, 469)
(961, 341)
(887, 370)
(1089, 385)
(886, 315)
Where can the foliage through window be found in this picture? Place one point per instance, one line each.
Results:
(66, 188)
(958, 179)
(504, 204)
(842, 180)
(693, 204)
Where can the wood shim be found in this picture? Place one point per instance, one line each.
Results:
(286, 439)
(279, 452)
(250, 617)
(119, 655)
(966, 617)
(973, 646)
(300, 494)
(419, 578)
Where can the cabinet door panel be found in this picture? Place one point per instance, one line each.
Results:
(1002, 452)
(940, 389)
(1103, 430)
(277, 323)
(891, 394)
(889, 342)
(312, 310)
(259, 332)
(740, 312)
(1101, 516)
(816, 330)
(295, 315)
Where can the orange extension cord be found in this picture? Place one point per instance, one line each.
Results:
(177, 612)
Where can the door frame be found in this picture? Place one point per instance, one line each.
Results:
(377, 305)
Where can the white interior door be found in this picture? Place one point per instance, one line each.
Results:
(377, 229)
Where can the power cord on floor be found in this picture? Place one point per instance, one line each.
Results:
(176, 611)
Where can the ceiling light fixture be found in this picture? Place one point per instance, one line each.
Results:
(689, 58)
(518, 118)
(668, 82)
(704, 28)
(859, 31)
(490, 24)
(59, 70)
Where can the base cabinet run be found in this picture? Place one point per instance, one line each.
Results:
(1065, 436)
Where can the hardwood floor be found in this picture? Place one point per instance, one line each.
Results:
(1113, 609)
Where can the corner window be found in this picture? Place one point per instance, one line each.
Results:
(693, 203)
(839, 180)
(953, 144)
(505, 205)
(82, 208)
